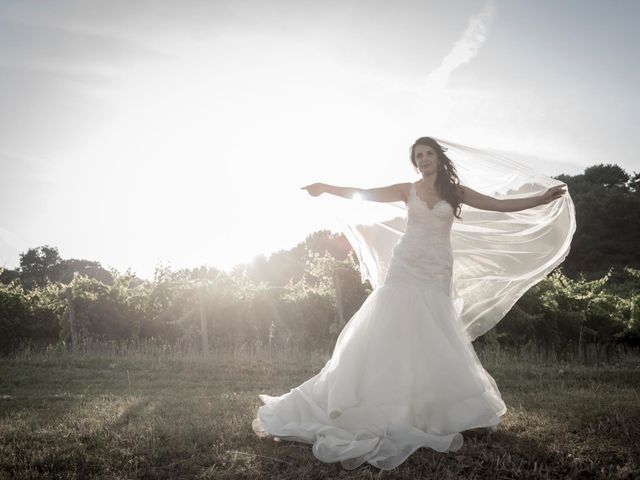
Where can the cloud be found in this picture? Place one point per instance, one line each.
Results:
(464, 50)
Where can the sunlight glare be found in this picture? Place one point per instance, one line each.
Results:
(205, 148)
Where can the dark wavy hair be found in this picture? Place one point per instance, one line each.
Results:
(447, 181)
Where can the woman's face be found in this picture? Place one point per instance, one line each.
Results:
(426, 159)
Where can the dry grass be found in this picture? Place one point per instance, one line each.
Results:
(172, 415)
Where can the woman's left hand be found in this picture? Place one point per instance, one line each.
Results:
(552, 194)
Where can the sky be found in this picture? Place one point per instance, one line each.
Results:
(179, 133)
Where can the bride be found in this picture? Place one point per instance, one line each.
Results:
(403, 373)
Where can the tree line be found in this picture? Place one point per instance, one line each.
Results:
(305, 295)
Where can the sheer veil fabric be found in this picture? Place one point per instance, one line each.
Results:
(497, 256)
(403, 373)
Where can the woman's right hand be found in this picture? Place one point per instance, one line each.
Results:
(314, 189)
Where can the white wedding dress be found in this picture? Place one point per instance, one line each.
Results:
(403, 374)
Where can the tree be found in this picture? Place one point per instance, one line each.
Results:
(7, 275)
(608, 221)
(607, 176)
(36, 265)
(65, 271)
(634, 183)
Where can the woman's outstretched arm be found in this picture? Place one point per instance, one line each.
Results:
(392, 193)
(485, 202)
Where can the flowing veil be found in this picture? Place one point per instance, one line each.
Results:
(497, 256)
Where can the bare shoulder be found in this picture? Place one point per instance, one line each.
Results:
(405, 188)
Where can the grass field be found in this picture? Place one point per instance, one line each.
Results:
(168, 416)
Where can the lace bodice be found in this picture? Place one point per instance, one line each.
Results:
(434, 224)
(423, 253)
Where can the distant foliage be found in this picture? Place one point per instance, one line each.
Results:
(304, 296)
(43, 264)
(607, 201)
(29, 317)
(563, 316)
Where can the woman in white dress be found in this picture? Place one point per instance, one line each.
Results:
(403, 373)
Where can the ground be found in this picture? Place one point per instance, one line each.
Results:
(170, 416)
